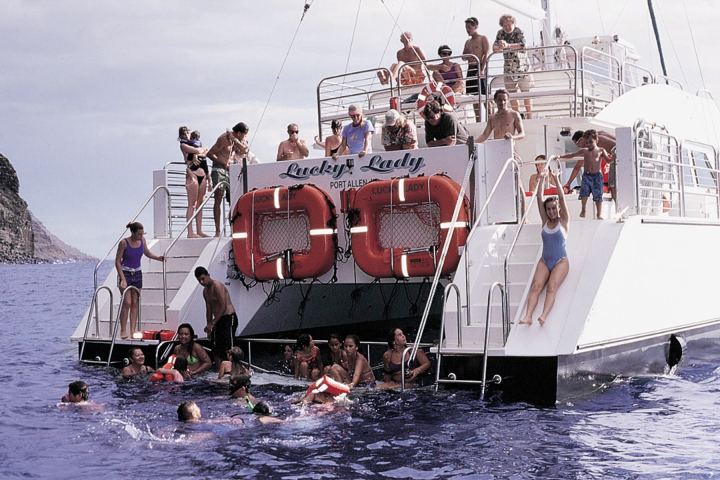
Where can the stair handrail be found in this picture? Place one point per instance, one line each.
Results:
(198, 210)
(117, 319)
(446, 246)
(152, 196)
(97, 319)
(506, 293)
(487, 331)
(509, 162)
(458, 306)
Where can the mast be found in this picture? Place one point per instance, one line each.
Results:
(657, 36)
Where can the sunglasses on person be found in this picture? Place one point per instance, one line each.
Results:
(445, 54)
(293, 131)
(355, 115)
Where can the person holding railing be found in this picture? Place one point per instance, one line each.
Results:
(553, 266)
(476, 51)
(447, 72)
(393, 360)
(511, 41)
(196, 179)
(357, 135)
(127, 263)
(411, 75)
(442, 128)
(398, 133)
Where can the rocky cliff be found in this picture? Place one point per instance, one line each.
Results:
(22, 237)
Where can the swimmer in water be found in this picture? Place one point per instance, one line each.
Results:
(234, 365)
(240, 388)
(78, 392)
(188, 412)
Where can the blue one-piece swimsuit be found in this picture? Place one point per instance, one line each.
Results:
(553, 245)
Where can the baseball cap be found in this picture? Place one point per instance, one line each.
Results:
(391, 117)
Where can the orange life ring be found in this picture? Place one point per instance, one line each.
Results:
(306, 203)
(432, 88)
(159, 377)
(429, 203)
(328, 385)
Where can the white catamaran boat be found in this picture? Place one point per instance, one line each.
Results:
(443, 242)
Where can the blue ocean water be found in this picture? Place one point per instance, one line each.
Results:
(648, 428)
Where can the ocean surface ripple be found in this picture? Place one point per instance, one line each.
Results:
(640, 428)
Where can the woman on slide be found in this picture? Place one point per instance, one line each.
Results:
(553, 266)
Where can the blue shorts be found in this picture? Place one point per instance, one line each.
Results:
(592, 182)
(132, 278)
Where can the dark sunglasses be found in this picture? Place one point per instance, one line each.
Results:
(293, 131)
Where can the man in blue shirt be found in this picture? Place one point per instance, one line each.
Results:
(357, 136)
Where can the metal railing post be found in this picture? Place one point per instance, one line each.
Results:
(487, 334)
(93, 303)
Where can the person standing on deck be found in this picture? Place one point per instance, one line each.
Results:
(357, 136)
(476, 46)
(293, 148)
(410, 75)
(127, 263)
(222, 321)
(227, 148)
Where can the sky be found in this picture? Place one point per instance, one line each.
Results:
(92, 92)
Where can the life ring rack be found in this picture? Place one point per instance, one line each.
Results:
(299, 256)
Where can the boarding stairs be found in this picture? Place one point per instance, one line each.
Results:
(102, 331)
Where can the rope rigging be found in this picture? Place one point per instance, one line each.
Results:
(306, 8)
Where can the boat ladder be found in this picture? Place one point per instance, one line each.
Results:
(452, 378)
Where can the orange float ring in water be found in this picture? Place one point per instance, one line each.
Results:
(327, 385)
(430, 90)
(159, 377)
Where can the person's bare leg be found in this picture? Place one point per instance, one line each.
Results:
(216, 210)
(383, 76)
(303, 370)
(528, 108)
(598, 210)
(133, 312)
(583, 204)
(538, 282)
(202, 188)
(613, 191)
(191, 186)
(124, 311)
(557, 276)
(340, 374)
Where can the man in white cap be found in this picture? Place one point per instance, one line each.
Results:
(398, 133)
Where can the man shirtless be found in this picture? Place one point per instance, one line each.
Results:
(592, 179)
(476, 46)
(503, 124)
(411, 75)
(221, 318)
(228, 148)
(293, 148)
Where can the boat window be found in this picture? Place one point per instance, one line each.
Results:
(688, 177)
(704, 177)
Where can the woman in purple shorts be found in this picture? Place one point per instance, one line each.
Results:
(127, 263)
